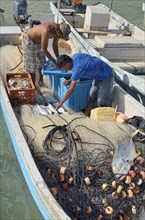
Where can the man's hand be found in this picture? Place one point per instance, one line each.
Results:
(67, 82)
(58, 105)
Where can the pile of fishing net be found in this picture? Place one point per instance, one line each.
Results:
(77, 164)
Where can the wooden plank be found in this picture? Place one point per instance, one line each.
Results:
(119, 53)
(67, 11)
(118, 41)
(9, 30)
(103, 32)
(123, 54)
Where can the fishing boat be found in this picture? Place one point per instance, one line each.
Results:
(107, 35)
(28, 137)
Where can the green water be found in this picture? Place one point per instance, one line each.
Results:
(131, 10)
(15, 199)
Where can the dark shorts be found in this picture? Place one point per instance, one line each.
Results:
(33, 56)
(101, 92)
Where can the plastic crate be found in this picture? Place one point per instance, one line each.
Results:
(21, 96)
(80, 96)
(50, 70)
(56, 84)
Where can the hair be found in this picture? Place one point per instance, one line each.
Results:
(63, 59)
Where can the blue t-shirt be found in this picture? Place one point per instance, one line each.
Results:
(87, 66)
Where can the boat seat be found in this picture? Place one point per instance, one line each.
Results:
(10, 30)
(10, 35)
(104, 32)
(119, 50)
(67, 11)
(111, 41)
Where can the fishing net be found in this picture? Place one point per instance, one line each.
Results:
(74, 155)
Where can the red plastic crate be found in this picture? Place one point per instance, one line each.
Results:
(21, 96)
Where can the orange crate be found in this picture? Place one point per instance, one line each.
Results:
(21, 96)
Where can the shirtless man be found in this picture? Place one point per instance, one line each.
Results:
(35, 44)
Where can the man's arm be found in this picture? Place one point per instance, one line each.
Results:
(44, 44)
(67, 81)
(68, 94)
(55, 46)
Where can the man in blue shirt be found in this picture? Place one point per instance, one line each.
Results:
(90, 67)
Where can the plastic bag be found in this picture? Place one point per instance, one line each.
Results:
(123, 158)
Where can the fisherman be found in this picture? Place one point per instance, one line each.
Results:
(35, 44)
(78, 6)
(77, 2)
(87, 66)
(74, 4)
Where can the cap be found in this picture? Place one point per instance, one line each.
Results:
(65, 29)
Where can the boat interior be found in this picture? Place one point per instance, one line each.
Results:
(112, 36)
(66, 146)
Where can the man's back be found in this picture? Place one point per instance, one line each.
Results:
(47, 30)
(85, 65)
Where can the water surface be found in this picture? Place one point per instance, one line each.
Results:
(16, 201)
(131, 10)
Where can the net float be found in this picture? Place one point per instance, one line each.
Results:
(87, 180)
(115, 195)
(53, 191)
(62, 170)
(142, 173)
(104, 201)
(100, 217)
(114, 183)
(139, 159)
(132, 173)
(136, 189)
(131, 185)
(65, 186)
(133, 209)
(129, 193)
(119, 189)
(128, 179)
(61, 177)
(54, 176)
(139, 182)
(89, 168)
(88, 209)
(109, 210)
(123, 194)
(70, 180)
(49, 171)
(105, 186)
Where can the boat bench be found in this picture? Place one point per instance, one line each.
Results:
(118, 41)
(67, 11)
(10, 34)
(120, 48)
(10, 30)
(104, 32)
